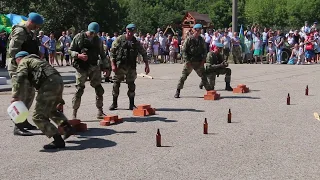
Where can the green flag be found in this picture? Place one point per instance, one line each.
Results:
(5, 21)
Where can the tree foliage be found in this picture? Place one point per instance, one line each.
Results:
(148, 15)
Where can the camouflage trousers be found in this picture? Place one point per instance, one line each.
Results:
(212, 76)
(128, 73)
(26, 96)
(237, 54)
(94, 74)
(198, 68)
(49, 96)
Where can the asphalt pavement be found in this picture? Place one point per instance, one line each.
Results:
(267, 139)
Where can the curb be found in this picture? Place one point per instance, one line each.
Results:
(10, 88)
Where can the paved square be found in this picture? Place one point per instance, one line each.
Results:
(267, 139)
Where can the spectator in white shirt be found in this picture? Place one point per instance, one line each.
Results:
(226, 41)
(305, 29)
(215, 39)
(207, 39)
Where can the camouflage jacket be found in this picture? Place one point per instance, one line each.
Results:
(93, 48)
(213, 61)
(20, 40)
(33, 69)
(124, 52)
(194, 49)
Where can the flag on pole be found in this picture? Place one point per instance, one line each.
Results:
(241, 36)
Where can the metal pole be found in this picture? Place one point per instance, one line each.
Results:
(234, 15)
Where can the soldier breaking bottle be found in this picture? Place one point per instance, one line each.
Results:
(47, 80)
(194, 51)
(215, 66)
(86, 48)
(123, 55)
(22, 38)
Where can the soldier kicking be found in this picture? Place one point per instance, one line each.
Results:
(194, 51)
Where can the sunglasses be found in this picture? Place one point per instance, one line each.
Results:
(131, 29)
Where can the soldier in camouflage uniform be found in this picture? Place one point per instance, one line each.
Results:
(215, 65)
(86, 48)
(194, 51)
(49, 84)
(22, 39)
(123, 54)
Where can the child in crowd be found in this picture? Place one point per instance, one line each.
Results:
(294, 54)
(150, 52)
(271, 52)
(172, 52)
(66, 54)
(156, 47)
(301, 56)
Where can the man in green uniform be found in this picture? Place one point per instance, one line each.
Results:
(85, 48)
(123, 55)
(49, 84)
(194, 51)
(23, 39)
(215, 65)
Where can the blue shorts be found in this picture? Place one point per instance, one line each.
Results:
(309, 54)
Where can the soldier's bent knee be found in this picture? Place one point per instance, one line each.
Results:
(228, 71)
(80, 90)
(99, 90)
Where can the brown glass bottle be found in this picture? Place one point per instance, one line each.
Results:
(158, 138)
(307, 90)
(229, 116)
(288, 99)
(205, 126)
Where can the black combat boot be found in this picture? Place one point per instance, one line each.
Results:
(68, 130)
(19, 131)
(28, 126)
(107, 80)
(177, 95)
(228, 87)
(58, 142)
(131, 105)
(100, 114)
(114, 104)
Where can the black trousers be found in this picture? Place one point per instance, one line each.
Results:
(3, 52)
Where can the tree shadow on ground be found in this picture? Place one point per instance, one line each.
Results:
(147, 119)
(239, 97)
(178, 109)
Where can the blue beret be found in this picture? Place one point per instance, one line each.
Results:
(36, 18)
(21, 54)
(94, 27)
(220, 45)
(131, 26)
(197, 26)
